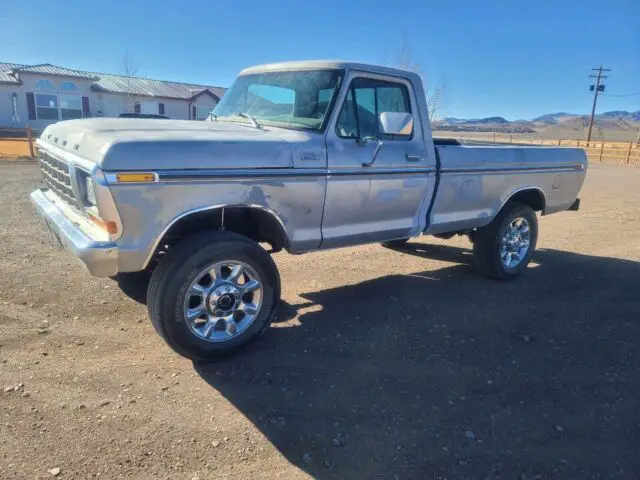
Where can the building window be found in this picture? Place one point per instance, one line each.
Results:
(46, 106)
(14, 108)
(70, 106)
(68, 87)
(45, 84)
(202, 112)
(57, 106)
(136, 107)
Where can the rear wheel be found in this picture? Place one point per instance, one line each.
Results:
(503, 249)
(212, 294)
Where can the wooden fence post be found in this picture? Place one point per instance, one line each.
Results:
(30, 139)
(559, 141)
(494, 137)
(629, 151)
(601, 149)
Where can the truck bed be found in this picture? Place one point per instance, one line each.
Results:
(476, 180)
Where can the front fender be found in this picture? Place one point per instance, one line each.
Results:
(149, 210)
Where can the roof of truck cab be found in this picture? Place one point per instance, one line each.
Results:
(327, 64)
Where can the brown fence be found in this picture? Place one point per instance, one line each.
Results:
(623, 153)
(614, 152)
(16, 143)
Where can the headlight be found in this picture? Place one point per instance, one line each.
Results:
(89, 190)
(86, 188)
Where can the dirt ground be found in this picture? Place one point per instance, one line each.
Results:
(382, 364)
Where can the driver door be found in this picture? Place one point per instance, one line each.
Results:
(377, 184)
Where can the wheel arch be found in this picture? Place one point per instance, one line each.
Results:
(530, 195)
(256, 222)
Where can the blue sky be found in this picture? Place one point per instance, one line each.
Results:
(516, 59)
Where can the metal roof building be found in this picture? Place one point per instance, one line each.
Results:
(37, 95)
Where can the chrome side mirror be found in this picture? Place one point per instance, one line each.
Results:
(396, 123)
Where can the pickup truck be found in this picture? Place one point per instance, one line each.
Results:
(300, 156)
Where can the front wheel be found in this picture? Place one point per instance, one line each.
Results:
(503, 249)
(213, 293)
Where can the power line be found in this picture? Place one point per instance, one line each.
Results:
(597, 88)
(621, 94)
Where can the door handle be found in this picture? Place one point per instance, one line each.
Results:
(413, 158)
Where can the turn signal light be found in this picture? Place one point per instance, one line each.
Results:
(109, 227)
(135, 177)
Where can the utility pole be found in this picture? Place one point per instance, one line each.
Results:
(596, 89)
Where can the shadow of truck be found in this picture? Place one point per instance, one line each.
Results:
(444, 374)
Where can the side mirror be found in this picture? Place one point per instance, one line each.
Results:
(396, 123)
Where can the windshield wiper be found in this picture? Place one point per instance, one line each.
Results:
(251, 118)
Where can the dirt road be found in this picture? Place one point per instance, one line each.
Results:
(382, 364)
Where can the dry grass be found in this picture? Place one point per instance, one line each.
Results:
(14, 148)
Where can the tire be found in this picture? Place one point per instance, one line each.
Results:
(399, 243)
(171, 285)
(487, 242)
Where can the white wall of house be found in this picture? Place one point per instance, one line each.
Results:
(176, 108)
(7, 118)
(100, 104)
(203, 105)
(56, 93)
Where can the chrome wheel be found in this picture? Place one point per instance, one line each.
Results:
(223, 301)
(515, 242)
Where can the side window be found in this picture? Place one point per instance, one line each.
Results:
(393, 99)
(365, 101)
(367, 111)
(347, 124)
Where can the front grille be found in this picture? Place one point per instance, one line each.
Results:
(56, 176)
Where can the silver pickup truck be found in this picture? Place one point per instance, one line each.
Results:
(298, 156)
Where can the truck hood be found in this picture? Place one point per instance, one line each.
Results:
(149, 144)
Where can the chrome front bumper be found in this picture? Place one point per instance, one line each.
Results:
(100, 257)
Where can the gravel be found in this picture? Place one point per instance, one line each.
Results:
(400, 378)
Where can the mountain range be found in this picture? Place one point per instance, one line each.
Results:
(616, 124)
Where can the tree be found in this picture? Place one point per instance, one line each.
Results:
(436, 94)
(129, 69)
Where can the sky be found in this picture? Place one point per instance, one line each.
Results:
(516, 59)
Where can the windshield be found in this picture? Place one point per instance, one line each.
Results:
(298, 99)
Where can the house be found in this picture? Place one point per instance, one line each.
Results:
(38, 95)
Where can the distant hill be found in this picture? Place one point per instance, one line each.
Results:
(552, 117)
(616, 124)
(457, 121)
(493, 120)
